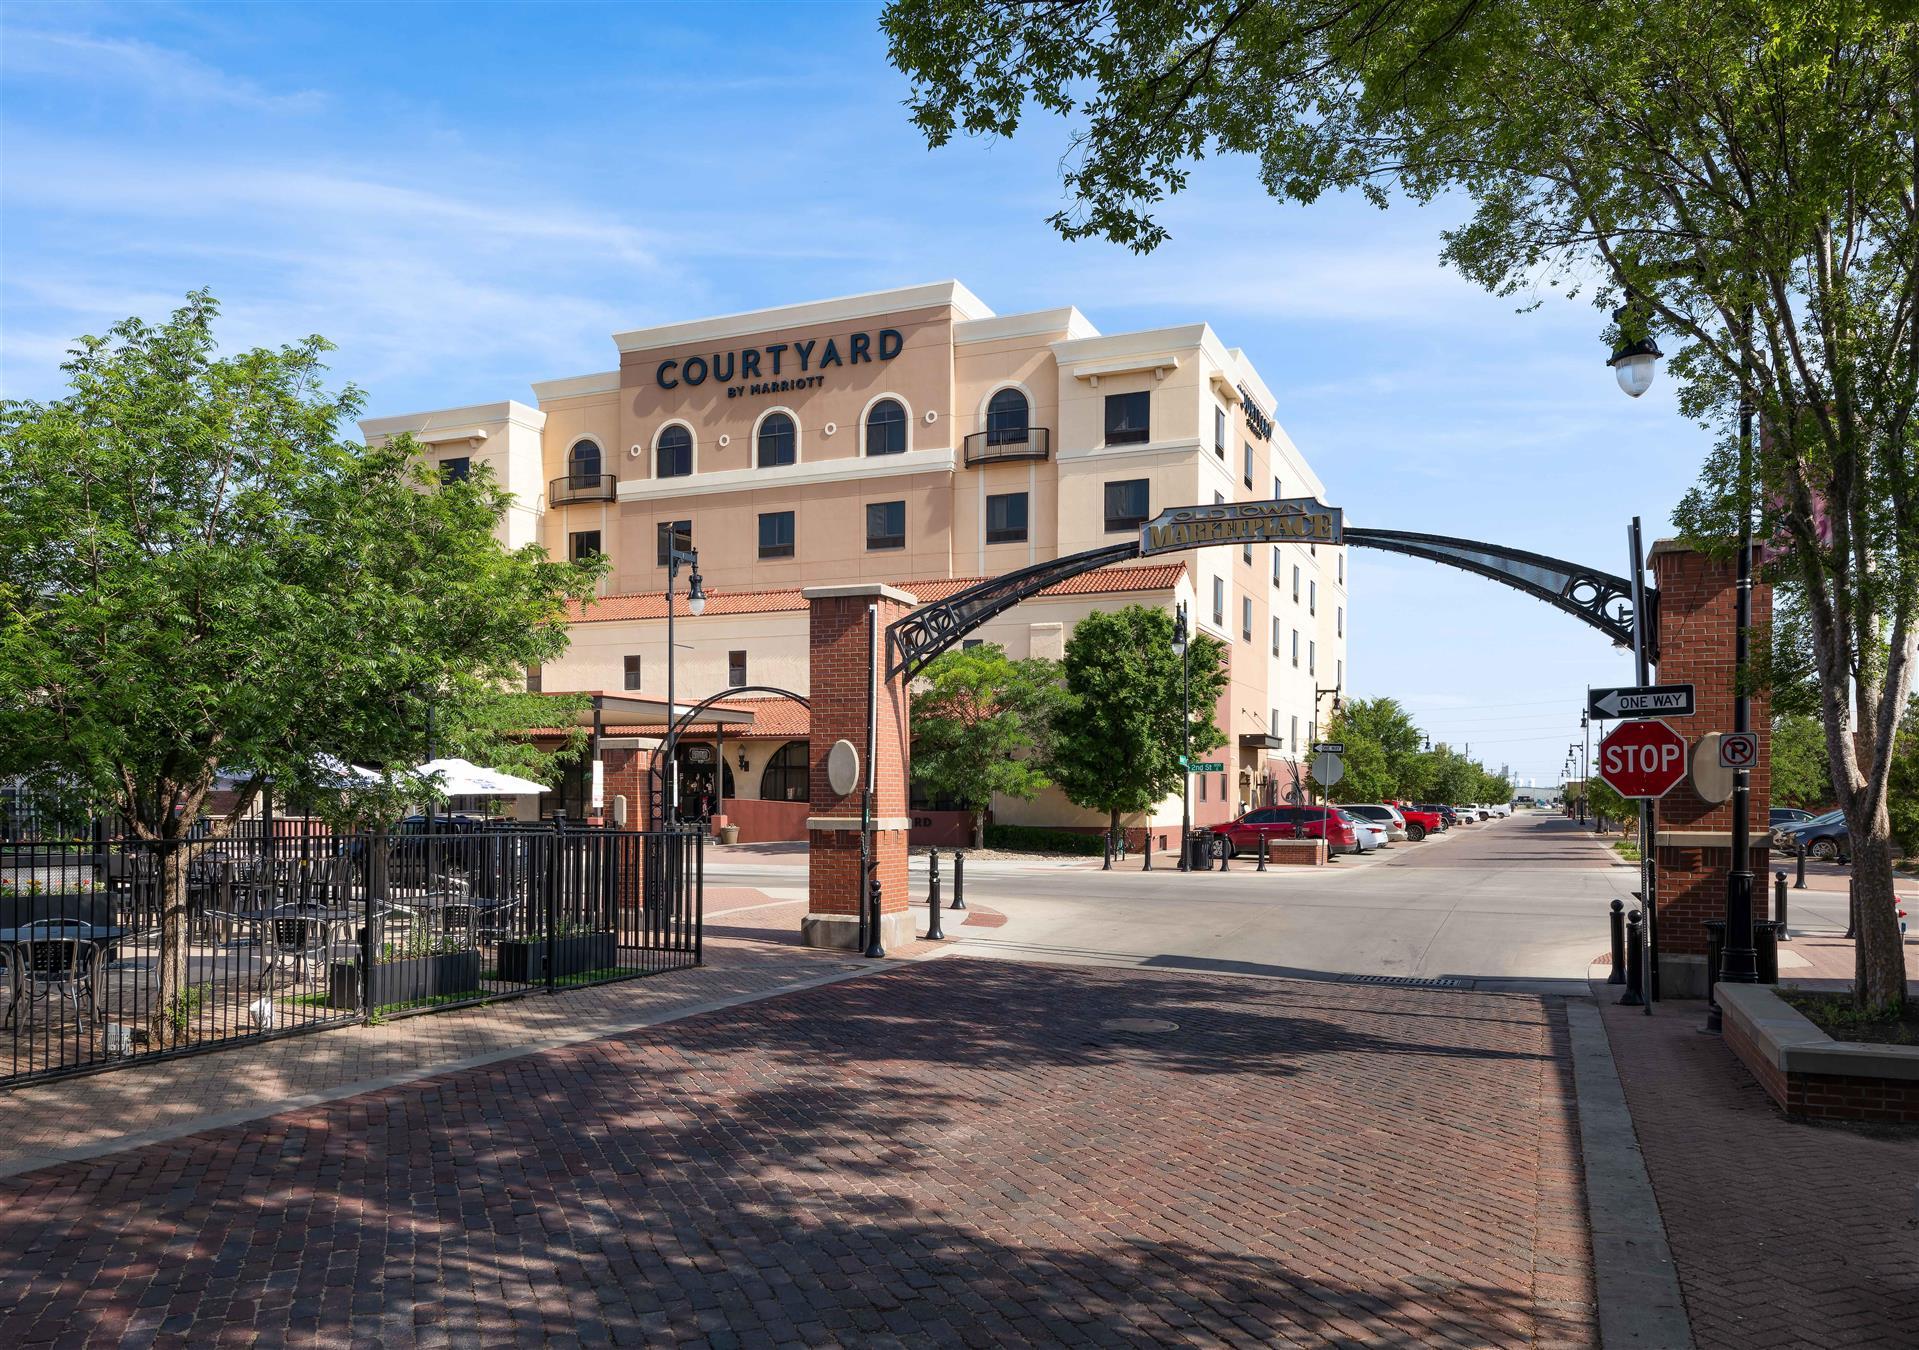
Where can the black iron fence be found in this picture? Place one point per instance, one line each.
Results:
(117, 951)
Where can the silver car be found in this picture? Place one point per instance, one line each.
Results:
(1381, 814)
(1370, 833)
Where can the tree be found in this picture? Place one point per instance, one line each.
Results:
(197, 573)
(1382, 750)
(1116, 733)
(1800, 773)
(979, 727)
(1739, 176)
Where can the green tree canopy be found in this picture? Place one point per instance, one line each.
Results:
(980, 723)
(1742, 178)
(198, 573)
(1116, 734)
(1800, 775)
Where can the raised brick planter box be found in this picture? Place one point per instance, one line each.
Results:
(1294, 853)
(1809, 1074)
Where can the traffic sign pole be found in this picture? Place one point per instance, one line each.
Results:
(1648, 869)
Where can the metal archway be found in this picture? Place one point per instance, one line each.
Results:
(656, 786)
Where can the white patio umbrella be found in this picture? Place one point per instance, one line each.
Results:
(464, 778)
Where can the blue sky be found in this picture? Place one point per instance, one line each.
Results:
(466, 198)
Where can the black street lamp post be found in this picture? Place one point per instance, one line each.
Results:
(696, 603)
(1185, 738)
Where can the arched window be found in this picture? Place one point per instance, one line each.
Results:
(786, 778)
(778, 438)
(583, 464)
(1006, 416)
(675, 456)
(886, 428)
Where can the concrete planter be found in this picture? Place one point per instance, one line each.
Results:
(1807, 1073)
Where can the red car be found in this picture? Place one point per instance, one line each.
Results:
(1288, 822)
(1419, 823)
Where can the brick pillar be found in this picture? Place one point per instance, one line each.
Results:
(1693, 836)
(625, 776)
(840, 670)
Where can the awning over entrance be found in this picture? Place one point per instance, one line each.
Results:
(633, 710)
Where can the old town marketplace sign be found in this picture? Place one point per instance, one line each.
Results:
(1288, 520)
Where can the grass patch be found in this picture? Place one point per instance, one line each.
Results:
(1841, 1019)
(1627, 849)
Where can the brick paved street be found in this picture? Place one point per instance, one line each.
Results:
(954, 1151)
(1783, 1234)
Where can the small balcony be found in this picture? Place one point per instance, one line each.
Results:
(582, 487)
(1035, 444)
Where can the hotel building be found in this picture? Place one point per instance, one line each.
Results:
(914, 437)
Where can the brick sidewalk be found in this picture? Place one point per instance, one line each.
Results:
(952, 1152)
(1783, 1234)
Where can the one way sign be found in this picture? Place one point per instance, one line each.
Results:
(1648, 700)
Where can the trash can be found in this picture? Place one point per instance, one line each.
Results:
(729, 834)
(1199, 851)
(1765, 945)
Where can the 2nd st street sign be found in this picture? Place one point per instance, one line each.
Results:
(1643, 700)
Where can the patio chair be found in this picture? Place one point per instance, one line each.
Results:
(54, 954)
(480, 920)
(295, 935)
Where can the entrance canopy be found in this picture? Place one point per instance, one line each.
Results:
(635, 710)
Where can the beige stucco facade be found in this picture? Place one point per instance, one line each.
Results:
(1210, 433)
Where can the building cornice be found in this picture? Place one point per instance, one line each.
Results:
(572, 386)
(440, 419)
(837, 310)
(850, 468)
(1036, 324)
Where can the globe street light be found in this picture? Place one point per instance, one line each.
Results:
(1633, 363)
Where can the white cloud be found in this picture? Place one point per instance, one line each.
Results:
(128, 65)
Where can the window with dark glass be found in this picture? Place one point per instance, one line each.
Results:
(675, 458)
(1128, 418)
(1275, 637)
(1312, 658)
(583, 544)
(776, 534)
(1312, 597)
(1276, 567)
(671, 531)
(967, 644)
(1219, 432)
(785, 778)
(1339, 626)
(735, 669)
(885, 525)
(1245, 618)
(1006, 518)
(1006, 418)
(456, 470)
(532, 679)
(1295, 649)
(1127, 504)
(1219, 602)
(583, 464)
(778, 440)
(886, 428)
(1249, 464)
(632, 672)
(1246, 554)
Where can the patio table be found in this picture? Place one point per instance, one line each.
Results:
(101, 936)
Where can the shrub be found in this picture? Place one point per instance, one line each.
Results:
(1039, 839)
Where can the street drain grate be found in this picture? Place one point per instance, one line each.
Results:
(1408, 981)
(1138, 1024)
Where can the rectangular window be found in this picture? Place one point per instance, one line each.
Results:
(1006, 518)
(674, 534)
(1293, 738)
(967, 644)
(1245, 618)
(1219, 602)
(1295, 583)
(1339, 679)
(1273, 725)
(1342, 569)
(1277, 494)
(1127, 504)
(1312, 597)
(532, 679)
(1248, 475)
(1275, 637)
(456, 470)
(776, 534)
(735, 669)
(1202, 786)
(582, 544)
(885, 525)
(1219, 432)
(1128, 419)
(1219, 499)
(632, 672)
(1295, 649)
(1339, 622)
(1246, 554)
(1276, 568)
(1312, 658)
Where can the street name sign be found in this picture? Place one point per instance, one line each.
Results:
(1328, 769)
(1209, 766)
(1329, 748)
(1738, 750)
(1642, 759)
(1645, 700)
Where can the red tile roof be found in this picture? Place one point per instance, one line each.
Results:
(1100, 581)
(774, 718)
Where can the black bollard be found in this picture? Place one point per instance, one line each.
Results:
(1262, 854)
(1106, 859)
(873, 947)
(1225, 850)
(933, 876)
(1779, 900)
(1852, 911)
(1617, 923)
(933, 930)
(959, 880)
(1800, 883)
(1147, 852)
(1635, 976)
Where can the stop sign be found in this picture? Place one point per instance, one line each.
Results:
(1643, 759)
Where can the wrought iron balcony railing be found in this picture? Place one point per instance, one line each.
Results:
(990, 447)
(583, 487)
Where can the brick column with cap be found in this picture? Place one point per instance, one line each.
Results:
(1693, 837)
(840, 671)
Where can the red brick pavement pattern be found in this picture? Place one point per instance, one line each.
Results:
(952, 1152)
(1783, 1234)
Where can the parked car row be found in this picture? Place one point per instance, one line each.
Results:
(1349, 827)
(1824, 837)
